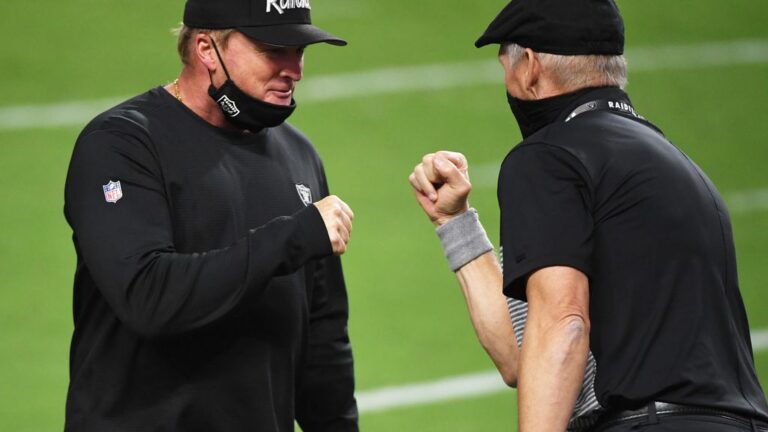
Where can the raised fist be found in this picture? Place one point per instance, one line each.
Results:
(441, 184)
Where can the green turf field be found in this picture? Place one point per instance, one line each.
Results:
(408, 320)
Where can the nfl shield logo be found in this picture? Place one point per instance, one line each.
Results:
(112, 191)
(228, 105)
(304, 193)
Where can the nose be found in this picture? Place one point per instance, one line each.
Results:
(293, 66)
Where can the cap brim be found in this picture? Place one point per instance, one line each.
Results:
(485, 40)
(291, 35)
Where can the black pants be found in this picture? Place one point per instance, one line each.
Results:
(683, 423)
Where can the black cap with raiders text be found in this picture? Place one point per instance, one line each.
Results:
(564, 27)
(275, 22)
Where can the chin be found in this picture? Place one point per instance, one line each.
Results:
(278, 101)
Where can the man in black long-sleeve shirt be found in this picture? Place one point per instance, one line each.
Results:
(208, 293)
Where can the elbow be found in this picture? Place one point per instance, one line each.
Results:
(573, 334)
(146, 328)
(575, 327)
(140, 319)
(148, 322)
(508, 370)
(510, 378)
(156, 325)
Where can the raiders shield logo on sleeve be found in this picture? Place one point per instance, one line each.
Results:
(304, 193)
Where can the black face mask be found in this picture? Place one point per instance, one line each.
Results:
(244, 111)
(532, 115)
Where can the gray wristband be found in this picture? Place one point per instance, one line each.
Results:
(463, 239)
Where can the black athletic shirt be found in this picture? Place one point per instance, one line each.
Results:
(606, 193)
(206, 295)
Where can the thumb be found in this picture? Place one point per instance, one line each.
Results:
(449, 172)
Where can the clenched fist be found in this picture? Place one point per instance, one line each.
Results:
(441, 183)
(338, 221)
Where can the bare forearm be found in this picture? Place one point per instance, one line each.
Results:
(555, 348)
(441, 185)
(481, 283)
(551, 372)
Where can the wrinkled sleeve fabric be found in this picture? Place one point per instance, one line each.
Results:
(128, 248)
(545, 198)
(326, 400)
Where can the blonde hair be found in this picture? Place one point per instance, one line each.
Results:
(186, 35)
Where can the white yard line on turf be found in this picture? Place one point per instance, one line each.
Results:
(416, 78)
(445, 389)
(747, 201)
(759, 340)
(460, 387)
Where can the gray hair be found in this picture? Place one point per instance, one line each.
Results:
(577, 71)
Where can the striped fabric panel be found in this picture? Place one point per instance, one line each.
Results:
(586, 402)
(587, 407)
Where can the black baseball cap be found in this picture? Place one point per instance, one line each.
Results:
(275, 22)
(564, 27)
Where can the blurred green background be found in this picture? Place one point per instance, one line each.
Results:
(701, 73)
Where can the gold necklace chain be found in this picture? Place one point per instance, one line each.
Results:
(176, 90)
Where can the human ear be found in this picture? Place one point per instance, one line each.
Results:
(205, 52)
(532, 73)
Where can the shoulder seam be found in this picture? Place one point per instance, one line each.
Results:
(562, 150)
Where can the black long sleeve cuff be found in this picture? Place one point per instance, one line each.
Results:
(312, 232)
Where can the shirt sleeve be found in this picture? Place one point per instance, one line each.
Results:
(545, 200)
(127, 246)
(325, 397)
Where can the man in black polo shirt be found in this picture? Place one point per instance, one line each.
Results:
(616, 239)
(209, 294)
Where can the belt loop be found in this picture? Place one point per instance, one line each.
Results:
(752, 425)
(652, 419)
